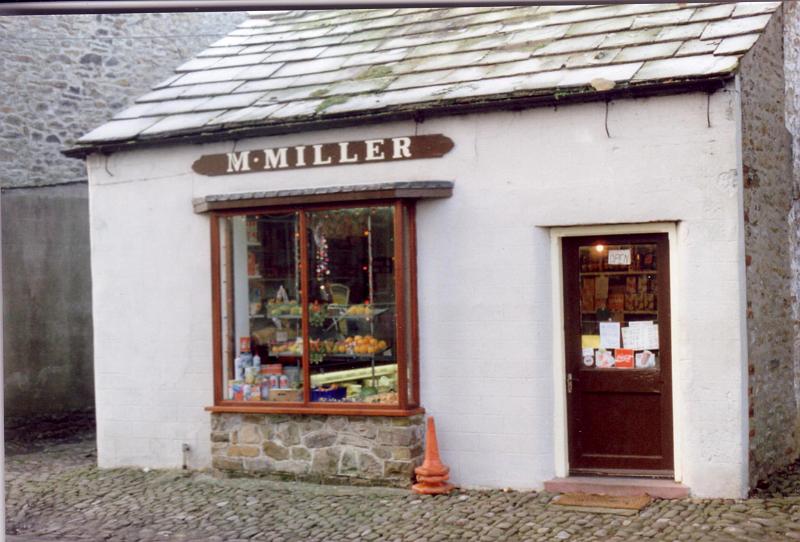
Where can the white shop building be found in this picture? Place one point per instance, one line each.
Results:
(560, 230)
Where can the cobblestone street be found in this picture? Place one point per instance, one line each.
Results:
(56, 493)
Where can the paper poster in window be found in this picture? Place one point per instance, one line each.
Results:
(619, 257)
(590, 341)
(609, 335)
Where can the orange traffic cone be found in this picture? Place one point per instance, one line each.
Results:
(432, 475)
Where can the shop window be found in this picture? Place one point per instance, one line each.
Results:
(315, 309)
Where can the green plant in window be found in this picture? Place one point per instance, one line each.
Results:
(317, 314)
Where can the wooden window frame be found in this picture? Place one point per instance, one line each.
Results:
(407, 406)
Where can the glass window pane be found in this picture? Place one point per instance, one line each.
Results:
(352, 306)
(262, 339)
(619, 306)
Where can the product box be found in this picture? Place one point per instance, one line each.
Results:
(645, 360)
(280, 395)
(335, 394)
(623, 358)
(616, 299)
(604, 359)
(587, 295)
(236, 390)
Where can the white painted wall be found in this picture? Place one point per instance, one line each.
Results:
(485, 281)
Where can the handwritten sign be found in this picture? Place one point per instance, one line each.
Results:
(619, 257)
(324, 154)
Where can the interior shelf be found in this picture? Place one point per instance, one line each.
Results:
(626, 312)
(616, 273)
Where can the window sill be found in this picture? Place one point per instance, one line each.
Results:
(335, 410)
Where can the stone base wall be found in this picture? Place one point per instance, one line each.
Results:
(359, 450)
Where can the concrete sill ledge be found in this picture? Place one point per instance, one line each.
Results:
(618, 486)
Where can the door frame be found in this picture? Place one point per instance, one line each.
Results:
(560, 419)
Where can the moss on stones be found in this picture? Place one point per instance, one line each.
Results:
(331, 101)
(374, 72)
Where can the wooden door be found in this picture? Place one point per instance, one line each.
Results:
(617, 346)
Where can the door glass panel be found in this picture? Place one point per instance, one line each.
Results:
(352, 318)
(619, 306)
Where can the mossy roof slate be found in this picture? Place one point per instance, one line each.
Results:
(290, 70)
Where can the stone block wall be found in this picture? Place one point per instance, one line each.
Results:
(64, 75)
(767, 172)
(354, 450)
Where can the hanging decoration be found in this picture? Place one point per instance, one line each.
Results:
(321, 258)
(344, 223)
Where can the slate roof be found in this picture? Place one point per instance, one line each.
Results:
(288, 70)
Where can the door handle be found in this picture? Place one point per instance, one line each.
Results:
(569, 383)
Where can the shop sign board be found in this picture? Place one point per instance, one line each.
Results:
(324, 154)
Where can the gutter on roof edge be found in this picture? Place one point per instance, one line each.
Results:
(417, 113)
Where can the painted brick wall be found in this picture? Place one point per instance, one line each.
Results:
(65, 75)
(766, 164)
(487, 347)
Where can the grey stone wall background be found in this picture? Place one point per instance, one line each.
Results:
(791, 61)
(767, 176)
(47, 303)
(61, 77)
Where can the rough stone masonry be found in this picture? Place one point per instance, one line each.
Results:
(339, 449)
(64, 75)
(767, 172)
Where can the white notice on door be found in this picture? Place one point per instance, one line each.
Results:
(609, 334)
(642, 335)
(650, 339)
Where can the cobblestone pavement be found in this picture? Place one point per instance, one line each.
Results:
(58, 494)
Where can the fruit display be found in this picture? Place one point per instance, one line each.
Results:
(293, 348)
(283, 308)
(349, 346)
(387, 398)
(357, 345)
(359, 310)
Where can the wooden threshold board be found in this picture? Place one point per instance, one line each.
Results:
(602, 504)
(618, 486)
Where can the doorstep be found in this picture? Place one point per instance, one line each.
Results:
(618, 486)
